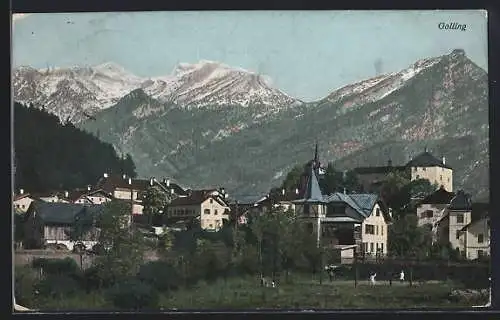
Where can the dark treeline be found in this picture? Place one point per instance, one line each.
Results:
(53, 156)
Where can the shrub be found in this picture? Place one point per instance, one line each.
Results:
(161, 275)
(133, 294)
(57, 286)
(25, 281)
(66, 266)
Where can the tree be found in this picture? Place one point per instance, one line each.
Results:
(292, 179)
(124, 245)
(407, 239)
(154, 201)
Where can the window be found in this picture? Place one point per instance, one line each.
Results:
(382, 247)
(371, 246)
(206, 211)
(376, 232)
(211, 200)
(381, 230)
(480, 253)
(458, 234)
(210, 226)
(369, 229)
(215, 212)
(423, 169)
(418, 177)
(365, 246)
(441, 178)
(377, 212)
(17, 206)
(480, 238)
(429, 213)
(448, 179)
(460, 218)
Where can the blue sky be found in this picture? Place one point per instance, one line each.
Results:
(307, 54)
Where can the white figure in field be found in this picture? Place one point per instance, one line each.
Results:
(372, 278)
(273, 284)
(402, 276)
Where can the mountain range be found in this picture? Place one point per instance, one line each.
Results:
(208, 124)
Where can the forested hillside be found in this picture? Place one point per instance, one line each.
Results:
(50, 155)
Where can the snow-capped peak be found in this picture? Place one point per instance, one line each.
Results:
(213, 83)
(379, 87)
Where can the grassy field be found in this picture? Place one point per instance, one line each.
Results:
(301, 292)
(308, 293)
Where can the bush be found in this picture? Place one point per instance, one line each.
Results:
(57, 286)
(25, 282)
(66, 266)
(161, 275)
(99, 276)
(133, 294)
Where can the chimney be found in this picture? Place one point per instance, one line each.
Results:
(296, 190)
(105, 175)
(130, 181)
(283, 191)
(389, 163)
(168, 183)
(222, 191)
(21, 191)
(444, 160)
(124, 176)
(345, 191)
(225, 195)
(151, 181)
(88, 188)
(172, 191)
(66, 194)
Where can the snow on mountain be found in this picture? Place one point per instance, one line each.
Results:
(377, 88)
(74, 93)
(71, 93)
(213, 83)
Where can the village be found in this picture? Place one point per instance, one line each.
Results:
(352, 223)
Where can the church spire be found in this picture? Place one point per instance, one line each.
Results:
(316, 157)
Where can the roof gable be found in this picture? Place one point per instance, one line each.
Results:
(440, 196)
(425, 159)
(461, 202)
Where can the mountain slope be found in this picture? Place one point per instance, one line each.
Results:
(192, 133)
(53, 156)
(76, 94)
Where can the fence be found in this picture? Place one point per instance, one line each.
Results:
(470, 274)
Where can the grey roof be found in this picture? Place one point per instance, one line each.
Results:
(366, 201)
(341, 197)
(313, 192)
(440, 196)
(64, 213)
(461, 201)
(425, 159)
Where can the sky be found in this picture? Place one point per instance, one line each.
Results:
(307, 54)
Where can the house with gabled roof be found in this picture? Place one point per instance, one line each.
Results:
(52, 223)
(455, 217)
(209, 206)
(477, 233)
(88, 196)
(423, 166)
(432, 207)
(22, 201)
(346, 222)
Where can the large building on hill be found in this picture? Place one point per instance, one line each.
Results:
(423, 166)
